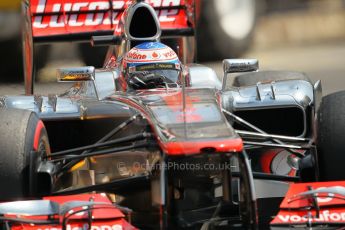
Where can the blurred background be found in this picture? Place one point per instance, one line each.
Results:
(299, 35)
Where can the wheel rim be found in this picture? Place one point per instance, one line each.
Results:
(43, 150)
(43, 147)
(236, 17)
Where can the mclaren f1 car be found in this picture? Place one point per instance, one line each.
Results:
(150, 142)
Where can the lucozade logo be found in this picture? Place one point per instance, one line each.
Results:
(69, 13)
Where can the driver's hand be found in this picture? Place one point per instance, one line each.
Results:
(146, 80)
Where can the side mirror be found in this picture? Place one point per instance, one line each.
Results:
(238, 66)
(75, 74)
(105, 40)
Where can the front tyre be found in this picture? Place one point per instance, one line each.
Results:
(331, 137)
(21, 135)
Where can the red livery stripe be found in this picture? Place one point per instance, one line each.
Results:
(39, 127)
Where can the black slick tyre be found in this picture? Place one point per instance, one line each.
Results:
(225, 28)
(92, 56)
(11, 66)
(21, 135)
(331, 137)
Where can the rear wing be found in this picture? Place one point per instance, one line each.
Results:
(48, 21)
(79, 20)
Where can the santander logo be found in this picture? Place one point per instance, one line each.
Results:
(86, 227)
(155, 55)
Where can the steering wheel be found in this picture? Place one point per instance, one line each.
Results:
(147, 80)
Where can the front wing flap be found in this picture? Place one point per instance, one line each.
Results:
(312, 204)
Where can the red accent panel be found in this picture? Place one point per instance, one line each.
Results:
(39, 127)
(98, 213)
(198, 6)
(102, 219)
(112, 224)
(332, 210)
(266, 160)
(185, 148)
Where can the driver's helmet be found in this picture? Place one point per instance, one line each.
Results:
(151, 65)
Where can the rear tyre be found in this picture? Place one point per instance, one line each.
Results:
(11, 67)
(331, 137)
(21, 135)
(267, 76)
(225, 28)
(92, 56)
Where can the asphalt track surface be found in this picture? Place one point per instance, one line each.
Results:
(325, 62)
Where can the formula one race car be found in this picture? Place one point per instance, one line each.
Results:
(150, 142)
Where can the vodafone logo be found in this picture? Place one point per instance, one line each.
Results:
(170, 54)
(325, 216)
(151, 55)
(92, 19)
(136, 56)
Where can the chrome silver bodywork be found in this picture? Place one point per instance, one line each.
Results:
(297, 94)
(279, 94)
(203, 77)
(105, 122)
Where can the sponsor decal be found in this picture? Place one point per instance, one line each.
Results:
(155, 66)
(58, 18)
(151, 55)
(295, 209)
(165, 66)
(155, 55)
(326, 216)
(136, 56)
(86, 227)
(169, 54)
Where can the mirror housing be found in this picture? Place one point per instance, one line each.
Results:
(105, 40)
(76, 74)
(238, 66)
